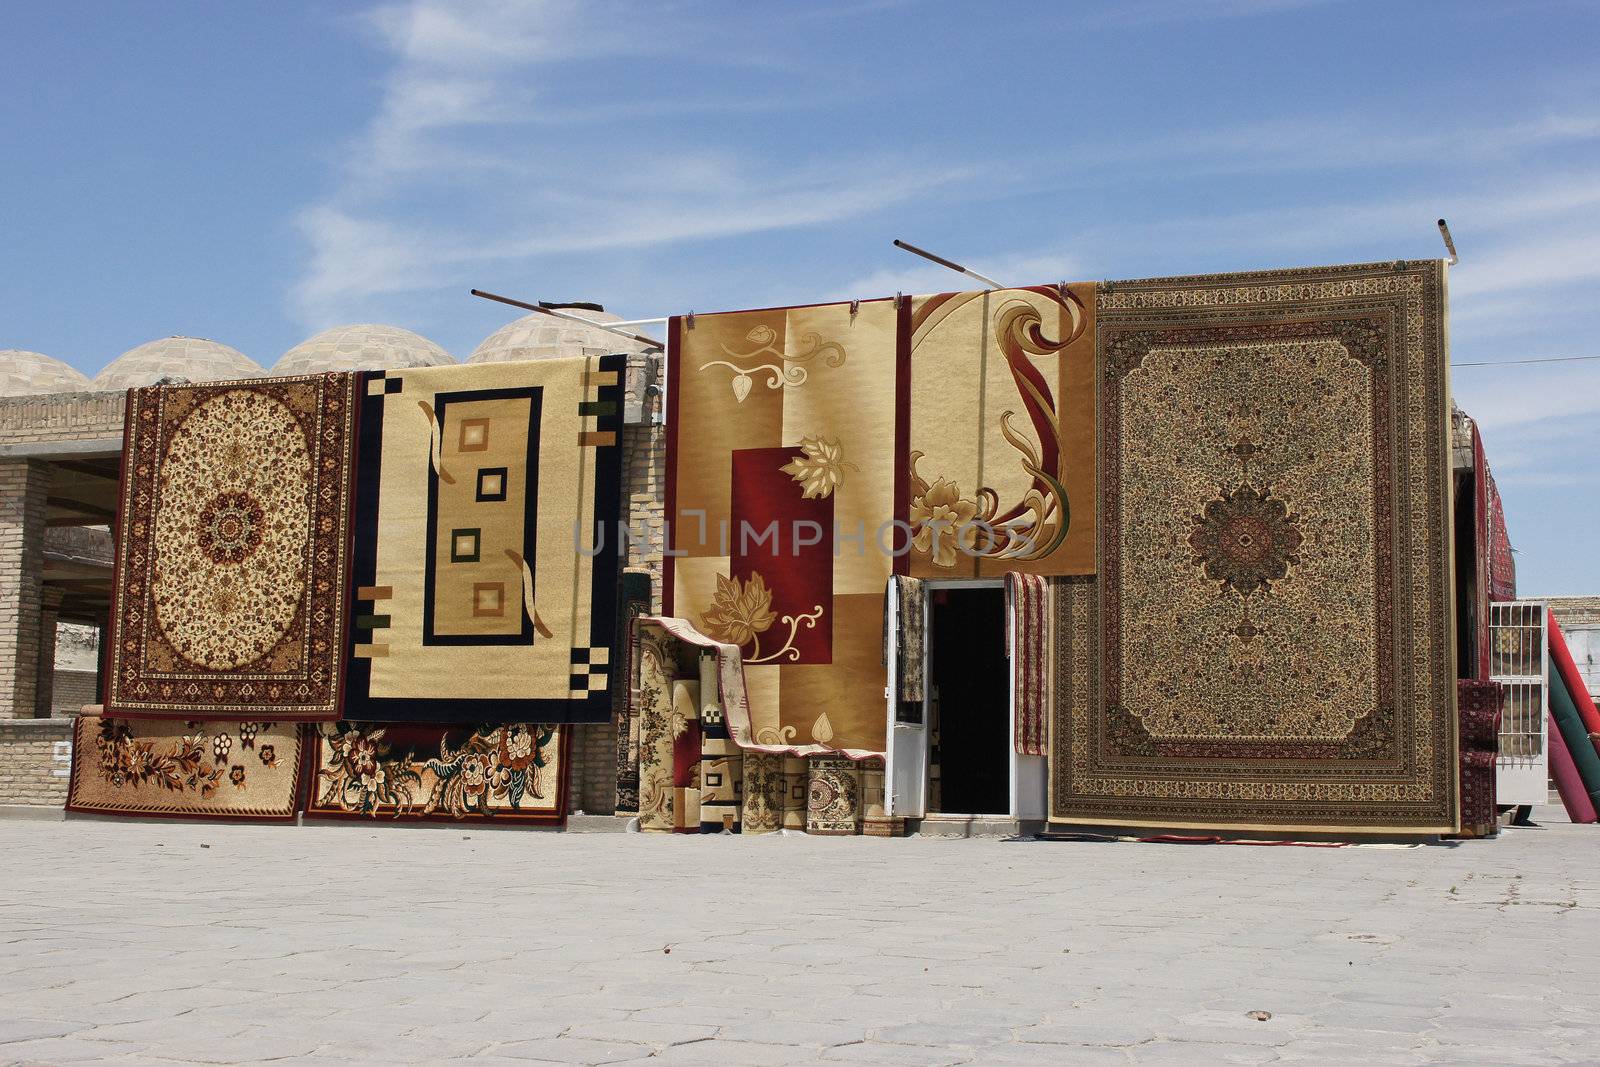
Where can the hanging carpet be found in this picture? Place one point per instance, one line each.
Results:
(232, 561)
(1272, 647)
(486, 559)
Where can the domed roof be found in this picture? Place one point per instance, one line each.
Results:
(30, 374)
(539, 336)
(366, 346)
(190, 358)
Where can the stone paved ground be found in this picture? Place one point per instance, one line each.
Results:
(136, 942)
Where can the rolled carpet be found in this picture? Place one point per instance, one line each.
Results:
(1568, 784)
(1570, 724)
(1561, 656)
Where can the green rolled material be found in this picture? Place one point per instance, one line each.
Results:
(1570, 724)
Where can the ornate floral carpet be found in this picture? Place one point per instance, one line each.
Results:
(513, 773)
(1272, 647)
(232, 556)
(486, 543)
(1001, 450)
(814, 451)
(787, 419)
(227, 770)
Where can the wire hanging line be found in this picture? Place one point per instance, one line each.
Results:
(1520, 362)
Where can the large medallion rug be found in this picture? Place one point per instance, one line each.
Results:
(1273, 646)
(486, 543)
(512, 773)
(219, 770)
(232, 556)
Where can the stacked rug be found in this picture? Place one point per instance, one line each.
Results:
(700, 769)
(1479, 704)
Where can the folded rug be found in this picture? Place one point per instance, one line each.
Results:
(192, 770)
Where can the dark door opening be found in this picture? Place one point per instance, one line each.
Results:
(971, 773)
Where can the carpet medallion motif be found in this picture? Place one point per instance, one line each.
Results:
(1273, 631)
(233, 558)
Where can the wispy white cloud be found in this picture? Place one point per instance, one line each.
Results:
(1313, 142)
(465, 85)
(1138, 13)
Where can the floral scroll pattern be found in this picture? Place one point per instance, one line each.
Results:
(140, 766)
(777, 369)
(947, 524)
(496, 770)
(741, 611)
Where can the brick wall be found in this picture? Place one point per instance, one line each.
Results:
(24, 486)
(72, 690)
(1576, 612)
(35, 758)
(61, 417)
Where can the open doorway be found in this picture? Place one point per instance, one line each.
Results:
(970, 757)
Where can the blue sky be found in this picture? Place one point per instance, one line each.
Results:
(256, 172)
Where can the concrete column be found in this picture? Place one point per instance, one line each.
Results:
(45, 676)
(24, 485)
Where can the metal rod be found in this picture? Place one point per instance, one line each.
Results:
(640, 338)
(1518, 362)
(958, 268)
(634, 322)
(1450, 246)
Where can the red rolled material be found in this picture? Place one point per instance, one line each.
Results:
(1561, 656)
(1568, 784)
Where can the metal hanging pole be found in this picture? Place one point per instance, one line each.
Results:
(958, 268)
(1450, 246)
(650, 342)
(635, 322)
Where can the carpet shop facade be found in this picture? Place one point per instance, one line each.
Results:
(1207, 552)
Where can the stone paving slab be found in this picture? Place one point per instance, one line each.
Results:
(192, 943)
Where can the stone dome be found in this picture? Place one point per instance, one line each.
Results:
(193, 359)
(537, 336)
(30, 374)
(367, 346)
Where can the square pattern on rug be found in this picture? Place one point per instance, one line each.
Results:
(1272, 646)
(193, 770)
(233, 557)
(486, 543)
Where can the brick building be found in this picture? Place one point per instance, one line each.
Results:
(60, 450)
